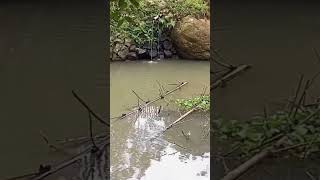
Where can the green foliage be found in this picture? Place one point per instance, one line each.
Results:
(259, 130)
(134, 18)
(203, 103)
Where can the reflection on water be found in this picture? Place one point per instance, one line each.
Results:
(179, 166)
(164, 160)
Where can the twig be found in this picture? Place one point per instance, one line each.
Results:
(22, 176)
(296, 94)
(138, 96)
(301, 98)
(45, 138)
(180, 118)
(91, 130)
(316, 53)
(229, 75)
(89, 109)
(310, 175)
(229, 66)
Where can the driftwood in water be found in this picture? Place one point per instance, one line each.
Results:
(229, 75)
(180, 118)
(234, 174)
(152, 101)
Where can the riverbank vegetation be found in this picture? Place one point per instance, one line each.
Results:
(293, 132)
(134, 18)
(142, 29)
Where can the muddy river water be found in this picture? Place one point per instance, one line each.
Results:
(170, 156)
(277, 39)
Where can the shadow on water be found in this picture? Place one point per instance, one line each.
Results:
(170, 155)
(47, 50)
(277, 40)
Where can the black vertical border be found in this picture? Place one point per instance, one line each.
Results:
(106, 5)
(211, 91)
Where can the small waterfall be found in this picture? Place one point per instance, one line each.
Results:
(155, 20)
(158, 45)
(151, 41)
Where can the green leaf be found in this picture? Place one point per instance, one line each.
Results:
(135, 3)
(129, 19)
(122, 4)
(120, 22)
(115, 15)
(301, 130)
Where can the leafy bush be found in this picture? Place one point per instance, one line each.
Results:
(203, 103)
(256, 132)
(134, 18)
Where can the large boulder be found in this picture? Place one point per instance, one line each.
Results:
(191, 38)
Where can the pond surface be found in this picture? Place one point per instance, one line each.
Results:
(134, 155)
(277, 40)
(47, 50)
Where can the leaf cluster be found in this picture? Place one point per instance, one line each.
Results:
(248, 135)
(202, 102)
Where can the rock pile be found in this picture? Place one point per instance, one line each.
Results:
(126, 50)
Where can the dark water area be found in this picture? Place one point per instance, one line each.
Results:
(277, 39)
(46, 51)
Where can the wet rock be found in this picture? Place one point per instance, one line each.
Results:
(161, 55)
(117, 47)
(153, 53)
(132, 56)
(123, 53)
(132, 48)
(167, 53)
(173, 50)
(142, 53)
(167, 45)
(191, 37)
(128, 42)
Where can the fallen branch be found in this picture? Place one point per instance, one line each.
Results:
(150, 102)
(230, 75)
(180, 118)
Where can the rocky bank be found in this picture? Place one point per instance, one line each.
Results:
(189, 39)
